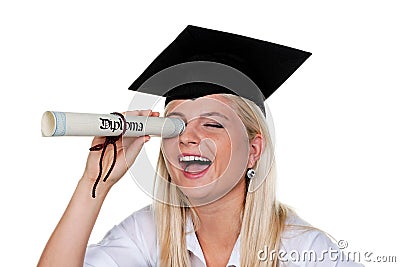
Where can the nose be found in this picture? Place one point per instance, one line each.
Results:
(190, 135)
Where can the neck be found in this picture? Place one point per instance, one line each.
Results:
(221, 219)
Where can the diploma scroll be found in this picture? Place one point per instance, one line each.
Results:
(87, 124)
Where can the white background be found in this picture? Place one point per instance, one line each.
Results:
(336, 119)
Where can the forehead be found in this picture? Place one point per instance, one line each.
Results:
(195, 107)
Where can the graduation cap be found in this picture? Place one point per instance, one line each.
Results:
(201, 62)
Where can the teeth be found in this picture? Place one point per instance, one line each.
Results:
(192, 158)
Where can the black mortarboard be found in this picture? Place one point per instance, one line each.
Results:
(201, 62)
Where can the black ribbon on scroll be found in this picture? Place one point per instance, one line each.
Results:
(110, 140)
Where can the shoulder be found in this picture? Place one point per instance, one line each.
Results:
(298, 233)
(140, 223)
(305, 245)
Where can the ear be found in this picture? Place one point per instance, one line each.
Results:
(256, 148)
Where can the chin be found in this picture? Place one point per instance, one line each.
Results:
(206, 193)
(200, 196)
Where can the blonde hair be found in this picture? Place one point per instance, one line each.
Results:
(263, 217)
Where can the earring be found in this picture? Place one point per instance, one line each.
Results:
(250, 173)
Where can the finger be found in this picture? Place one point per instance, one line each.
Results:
(131, 113)
(98, 140)
(146, 112)
(127, 141)
(134, 148)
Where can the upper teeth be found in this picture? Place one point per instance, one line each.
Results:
(192, 158)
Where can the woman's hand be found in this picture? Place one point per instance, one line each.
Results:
(127, 150)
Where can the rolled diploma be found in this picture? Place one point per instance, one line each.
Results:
(87, 124)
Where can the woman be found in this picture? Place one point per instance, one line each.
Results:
(215, 201)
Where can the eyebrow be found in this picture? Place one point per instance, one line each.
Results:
(210, 114)
(207, 114)
(175, 114)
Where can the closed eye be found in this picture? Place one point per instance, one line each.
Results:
(214, 125)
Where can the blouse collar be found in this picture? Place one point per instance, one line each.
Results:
(193, 246)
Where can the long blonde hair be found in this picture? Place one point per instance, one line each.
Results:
(263, 217)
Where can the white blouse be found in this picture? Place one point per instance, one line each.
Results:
(134, 243)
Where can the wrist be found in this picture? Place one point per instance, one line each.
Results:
(85, 185)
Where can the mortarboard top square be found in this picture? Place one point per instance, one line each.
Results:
(201, 62)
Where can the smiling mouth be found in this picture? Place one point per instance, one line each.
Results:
(194, 164)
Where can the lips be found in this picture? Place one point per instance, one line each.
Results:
(194, 166)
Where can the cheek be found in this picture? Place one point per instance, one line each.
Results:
(224, 152)
(236, 155)
(232, 152)
(166, 145)
(170, 150)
